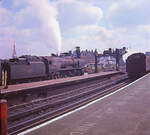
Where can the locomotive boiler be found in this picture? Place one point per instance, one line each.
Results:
(62, 67)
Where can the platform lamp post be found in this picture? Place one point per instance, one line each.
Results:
(3, 117)
(96, 55)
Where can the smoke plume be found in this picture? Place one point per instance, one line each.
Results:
(47, 15)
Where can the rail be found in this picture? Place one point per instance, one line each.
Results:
(47, 109)
(46, 103)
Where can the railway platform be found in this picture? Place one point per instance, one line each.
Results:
(55, 82)
(123, 112)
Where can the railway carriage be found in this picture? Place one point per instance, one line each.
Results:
(137, 65)
(147, 63)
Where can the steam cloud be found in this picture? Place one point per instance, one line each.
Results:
(47, 15)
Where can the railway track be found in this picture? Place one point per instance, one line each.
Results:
(26, 115)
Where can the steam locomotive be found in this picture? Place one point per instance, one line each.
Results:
(28, 67)
(137, 65)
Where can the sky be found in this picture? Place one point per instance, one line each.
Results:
(42, 27)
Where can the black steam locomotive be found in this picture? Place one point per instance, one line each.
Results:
(137, 65)
(27, 68)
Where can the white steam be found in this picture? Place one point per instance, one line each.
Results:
(47, 15)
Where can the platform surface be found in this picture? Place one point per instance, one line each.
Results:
(17, 87)
(126, 112)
